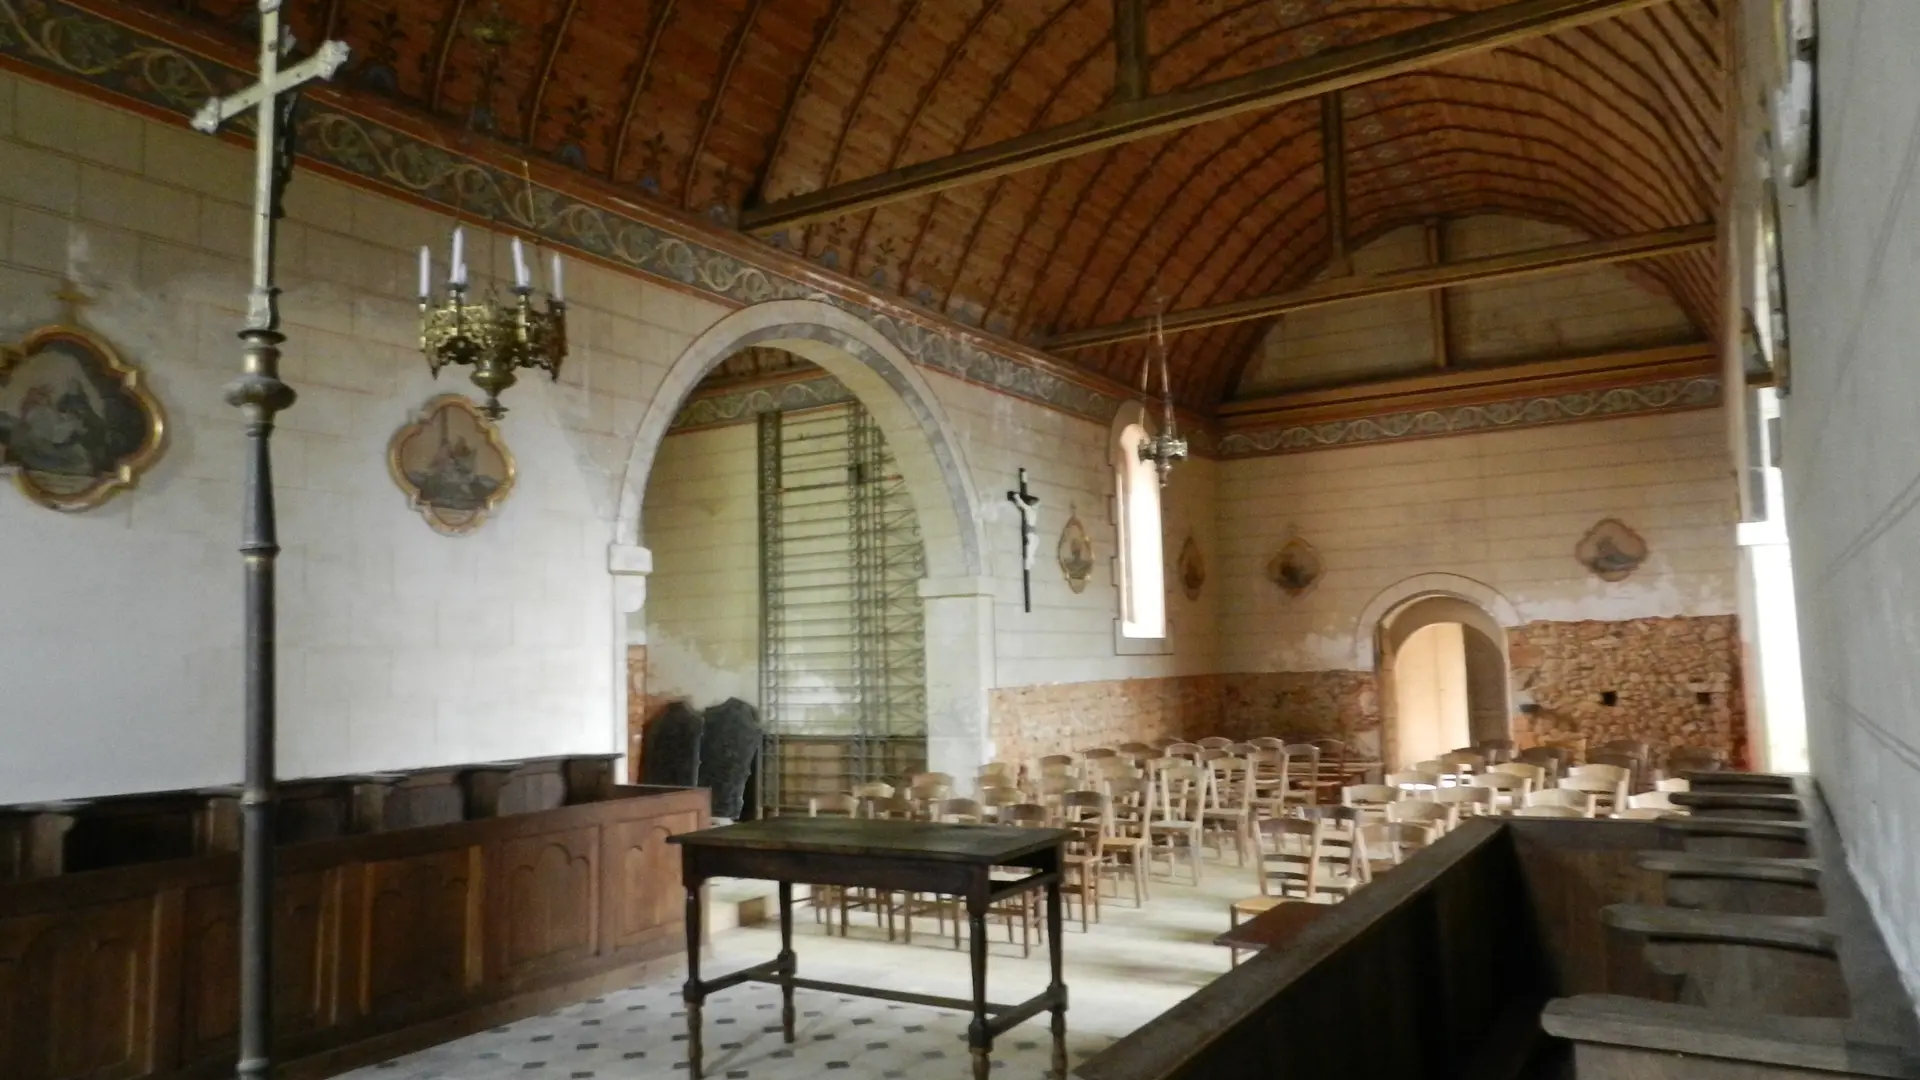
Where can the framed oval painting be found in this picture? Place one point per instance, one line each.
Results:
(452, 465)
(76, 423)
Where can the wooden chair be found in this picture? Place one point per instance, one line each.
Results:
(1549, 811)
(1129, 800)
(868, 794)
(1085, 816)
(1636, 767)
(1509, 791)
(1099, 752)
(1550, 758)
(1413, 780)
(1672, 784)
(1565, 798)
(1216, 742)
(1179, 794)
(1440, 817)
(1647, 813)
(1389, 843)
(1023, 908)
(1268, 742)
(927, 792)
(1229, 804)
(959, 812)
(1050, 789)
(1620, 777)
(1139, 751)
(1303, 773)
(1371, 800)
(996, 774)
(1182, 750)
(1467, 801)
(1496, 751)
(1269, 765)
(1332, 767)
(828, 898)
(995, 800)
(1340, 860)
(1653, 800)
(1638, 749)
(1608, 795)
(1462, 764)
(1537, 775)
(1102, 771)
(1285, 868)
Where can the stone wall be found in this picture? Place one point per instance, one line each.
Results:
(1032, 721)
(1672, 681)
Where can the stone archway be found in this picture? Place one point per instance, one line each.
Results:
(1404, 609)
(957, 593)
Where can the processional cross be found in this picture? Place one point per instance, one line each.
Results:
(1028, 505)
(258, 393)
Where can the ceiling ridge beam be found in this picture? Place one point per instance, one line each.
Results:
(1131, 61)
(1548, 260)
(1130, 121)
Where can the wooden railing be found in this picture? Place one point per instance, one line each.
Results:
(383, 942)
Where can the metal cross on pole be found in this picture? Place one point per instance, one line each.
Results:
(258, 393)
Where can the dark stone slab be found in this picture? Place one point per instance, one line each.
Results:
(728, 745)
(670, 753)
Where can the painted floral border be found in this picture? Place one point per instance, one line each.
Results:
(1673, 395)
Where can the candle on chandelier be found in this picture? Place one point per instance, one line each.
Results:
(426, 273)
(458, 275)
(521, 279)
(559, 293)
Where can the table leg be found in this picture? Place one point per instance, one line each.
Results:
(1058, 988)
(787, 962)
(693, 992)
(979, 1038)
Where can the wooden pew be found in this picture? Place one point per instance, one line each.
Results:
(385, 942)
(1760, 981)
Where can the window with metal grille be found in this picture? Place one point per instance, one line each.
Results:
(843, 682)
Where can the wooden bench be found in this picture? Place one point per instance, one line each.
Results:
(1772, 970)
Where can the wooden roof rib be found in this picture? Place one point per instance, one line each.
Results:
(1014, 165)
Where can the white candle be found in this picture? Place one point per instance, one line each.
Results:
(520, 278)
(426, 273)
(459, 275)
(559, 293)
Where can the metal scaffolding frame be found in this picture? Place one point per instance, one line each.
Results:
(843, 638)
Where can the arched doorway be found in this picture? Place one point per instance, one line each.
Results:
(955, 593)
(1439, 651)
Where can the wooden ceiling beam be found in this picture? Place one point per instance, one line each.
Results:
(1131, 80)
(1547, 260)
(1333, 152)
(1130, 121)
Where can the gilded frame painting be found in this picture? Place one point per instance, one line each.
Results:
(77, 423)
(452, 464)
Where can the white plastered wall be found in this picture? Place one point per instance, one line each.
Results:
(1500, 511)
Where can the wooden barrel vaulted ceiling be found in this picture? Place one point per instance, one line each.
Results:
(1613, 126)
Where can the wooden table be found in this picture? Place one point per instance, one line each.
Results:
(1277, 926)
(893, 856)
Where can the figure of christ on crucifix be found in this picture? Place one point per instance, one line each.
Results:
(259, 394)
(1029, 507)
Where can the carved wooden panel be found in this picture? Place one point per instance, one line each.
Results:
(75, 987)
(649, 900)
(304, 917)
(550, 902)
(420, 916)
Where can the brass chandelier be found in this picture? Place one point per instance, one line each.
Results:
(494, 337)
(1166, 448)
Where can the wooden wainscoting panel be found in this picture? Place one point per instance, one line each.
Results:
(305, 929)
(417, 931)
(647, 898)
(78, 983)
(550, 903)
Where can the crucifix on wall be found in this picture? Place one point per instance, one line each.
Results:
(1029, 506)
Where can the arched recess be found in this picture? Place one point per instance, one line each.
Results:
(1397, 612)
(957, 591)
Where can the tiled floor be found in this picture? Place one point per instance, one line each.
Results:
(1128, 968)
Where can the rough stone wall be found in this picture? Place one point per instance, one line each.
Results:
(1032, 721)
(1341, 704)
(1675, 681)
